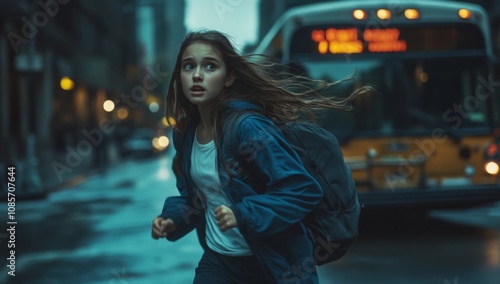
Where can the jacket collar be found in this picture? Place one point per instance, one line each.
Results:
(239, 105)
(234, 106)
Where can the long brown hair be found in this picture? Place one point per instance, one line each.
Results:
(260, 80)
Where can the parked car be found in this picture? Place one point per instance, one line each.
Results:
(139, 144)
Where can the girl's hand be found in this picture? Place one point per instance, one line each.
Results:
(225, 217)
(162, 227)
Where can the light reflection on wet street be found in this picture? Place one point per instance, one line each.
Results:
(98, 231)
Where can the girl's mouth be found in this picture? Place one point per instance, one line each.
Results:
(197, 90)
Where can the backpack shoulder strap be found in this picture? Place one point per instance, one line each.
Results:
(230, 143)
(231, 127)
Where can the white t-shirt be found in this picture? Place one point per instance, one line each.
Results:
(206, 178)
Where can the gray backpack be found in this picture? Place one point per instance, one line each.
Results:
(333, 224)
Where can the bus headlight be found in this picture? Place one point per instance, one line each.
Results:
(383, 14)
(491, 167)
(359, 14)
(412, 14)
(464, 13)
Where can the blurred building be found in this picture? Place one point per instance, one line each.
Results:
(60, 60)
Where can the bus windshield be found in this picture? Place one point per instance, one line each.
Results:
(415, 94)
(428, 135)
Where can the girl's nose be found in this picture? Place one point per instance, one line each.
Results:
(197, 75)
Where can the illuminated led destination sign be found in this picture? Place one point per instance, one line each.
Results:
(324, 40)
(348, 40)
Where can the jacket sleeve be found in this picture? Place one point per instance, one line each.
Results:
(184, 210)
(291, 192)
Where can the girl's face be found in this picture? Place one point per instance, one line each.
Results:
(203, 74)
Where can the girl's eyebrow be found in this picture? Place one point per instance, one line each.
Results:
(206, 58)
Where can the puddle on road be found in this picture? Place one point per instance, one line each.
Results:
(68, 225)
(111, 269)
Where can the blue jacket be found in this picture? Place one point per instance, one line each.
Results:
(270, 221)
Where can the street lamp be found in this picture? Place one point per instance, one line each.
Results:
(66, 83)
(109, 106)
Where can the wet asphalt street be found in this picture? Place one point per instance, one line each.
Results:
(98, 230)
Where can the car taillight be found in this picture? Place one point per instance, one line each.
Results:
(491, 150)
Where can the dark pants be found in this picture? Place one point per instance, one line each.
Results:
(215, 268)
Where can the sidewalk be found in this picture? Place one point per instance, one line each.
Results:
(59, 172)
(99, 231)
(63, 172)
(36, 179)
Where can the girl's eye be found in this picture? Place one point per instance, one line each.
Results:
(210, 66)
(188, 66)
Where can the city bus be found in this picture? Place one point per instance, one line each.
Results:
(429, 136)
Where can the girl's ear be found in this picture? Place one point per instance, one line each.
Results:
(230, 79)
